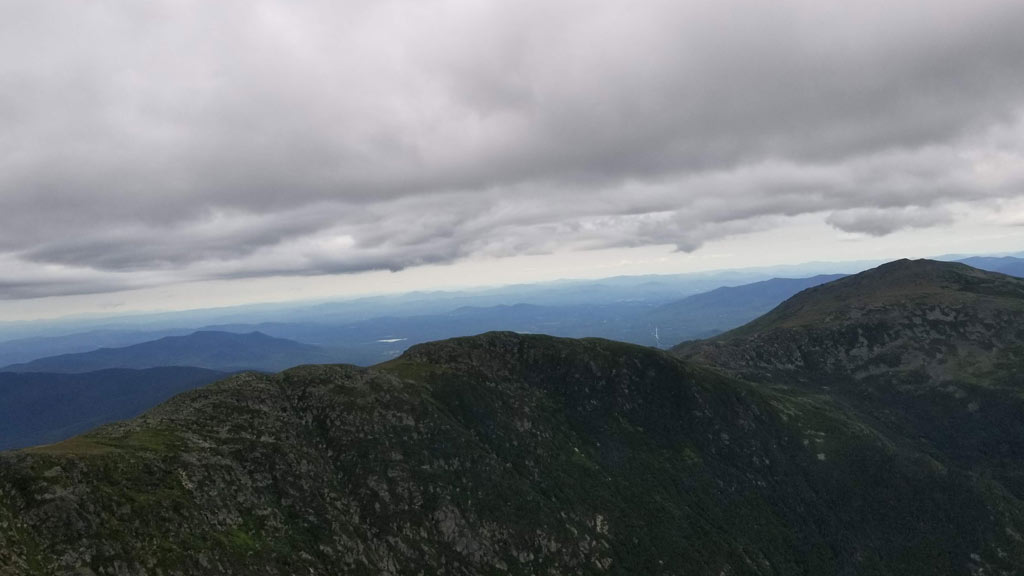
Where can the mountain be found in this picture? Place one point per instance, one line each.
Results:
(223, 351)
(929, 354)
(373, 330)
(614, 307)
(721, 309)
(650, 289)
(27, 349)
(1013, 266)
(379, 339)
(939, 294)
(39, 408)
(502, 453)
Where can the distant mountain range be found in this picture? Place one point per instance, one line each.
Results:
(374, 340)
(641, 291)
(239, 347)
(871, 425)
(709, 313)
(224, 351)
(650, 289)
(23, 350)
(1013, 266)
(372, 330)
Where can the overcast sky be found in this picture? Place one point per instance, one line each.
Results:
(199, 151)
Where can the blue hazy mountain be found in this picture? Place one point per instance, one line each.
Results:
(205, 349)
(722, 309)
(648, 312)
(41, 408)
(652, 289)
(23, 341)
(1008, 265)
(369, 330)
(27, 349)
(640, 322)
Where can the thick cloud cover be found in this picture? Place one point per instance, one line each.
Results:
(150, 142)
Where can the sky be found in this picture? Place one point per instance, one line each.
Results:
(181, 154)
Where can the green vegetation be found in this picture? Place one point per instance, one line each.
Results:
(858, 447)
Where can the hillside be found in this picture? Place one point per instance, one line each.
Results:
(39, 408)
(946, 316)
(499, 453)
(930, 353)
(721, 309)
(224, 351)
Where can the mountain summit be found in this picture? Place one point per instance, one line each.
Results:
(894, 286)
(947, 319)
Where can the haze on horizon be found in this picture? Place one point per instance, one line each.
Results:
(175, 154)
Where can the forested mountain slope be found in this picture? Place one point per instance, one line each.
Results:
(500, 453)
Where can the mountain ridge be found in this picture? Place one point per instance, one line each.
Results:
(215, 350)
(932, 353)
(727, 307)
(900, 281)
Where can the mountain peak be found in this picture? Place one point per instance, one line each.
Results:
(919, 269)
(896, 283)
(522, 353)
(915, 276)
(933, 321)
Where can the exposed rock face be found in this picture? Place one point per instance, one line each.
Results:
(505, 453)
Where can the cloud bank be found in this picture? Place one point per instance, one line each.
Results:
(167, 141)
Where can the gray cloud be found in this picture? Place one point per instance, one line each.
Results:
(879, 222)
(166, 141)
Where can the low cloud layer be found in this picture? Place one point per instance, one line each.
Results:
(156, 142)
